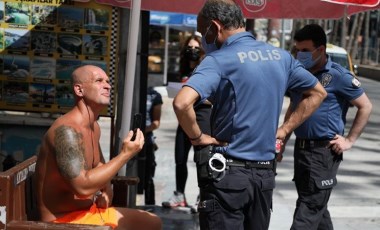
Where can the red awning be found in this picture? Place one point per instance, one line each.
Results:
(177, 6)
(312, 9)
(368, 3)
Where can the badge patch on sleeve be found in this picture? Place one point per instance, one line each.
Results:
(326, 79)
(356, 83)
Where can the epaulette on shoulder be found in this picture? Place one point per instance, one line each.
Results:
(340, 69)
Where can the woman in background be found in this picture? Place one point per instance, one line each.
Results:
(190, 56)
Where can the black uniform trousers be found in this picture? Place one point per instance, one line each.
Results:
(241, 200)
(315, 169)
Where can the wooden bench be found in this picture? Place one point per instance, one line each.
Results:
(18, 206)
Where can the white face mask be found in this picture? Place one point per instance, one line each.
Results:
(208, 47)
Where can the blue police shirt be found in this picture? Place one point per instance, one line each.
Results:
(329, 119)
(246, 80)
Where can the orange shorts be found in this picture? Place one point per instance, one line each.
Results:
(95, 216)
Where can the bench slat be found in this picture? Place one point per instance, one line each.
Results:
(20, 225)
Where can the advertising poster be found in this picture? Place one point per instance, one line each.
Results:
(42, 42)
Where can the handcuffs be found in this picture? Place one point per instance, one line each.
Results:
(217, 163)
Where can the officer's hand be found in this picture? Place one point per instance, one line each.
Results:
(281, 133)
(339, 144)
(207, 140)
(280, 148)
(279, 157)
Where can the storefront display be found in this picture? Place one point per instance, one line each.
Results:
(42, 42)
(168, 32)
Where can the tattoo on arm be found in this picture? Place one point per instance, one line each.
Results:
(69, 151)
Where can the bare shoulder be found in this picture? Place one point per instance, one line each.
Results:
(66, 144)
(71, 121)
(65, 127)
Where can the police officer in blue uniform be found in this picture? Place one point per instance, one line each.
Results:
(319, 140)
(245, 80)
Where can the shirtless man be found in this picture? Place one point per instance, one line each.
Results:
(72, 177)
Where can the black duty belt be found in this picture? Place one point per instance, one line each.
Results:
(250, 164)
(305, 143)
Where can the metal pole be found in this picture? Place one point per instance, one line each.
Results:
(344, 29)
(283, 33)
(377, 51)
(130, 73)
(378, 39)
(166, 54)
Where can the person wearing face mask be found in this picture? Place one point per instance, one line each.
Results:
(245, 80)
(320, 140)
(191, 55)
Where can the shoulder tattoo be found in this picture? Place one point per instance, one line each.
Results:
(69, 151)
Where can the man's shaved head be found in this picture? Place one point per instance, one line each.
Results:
(84, 73)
